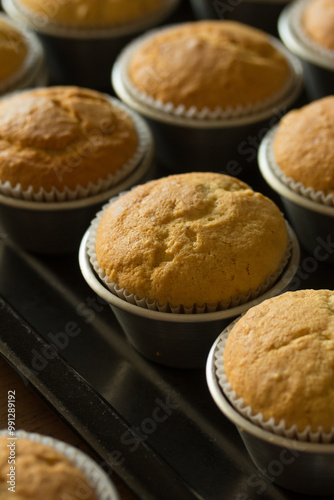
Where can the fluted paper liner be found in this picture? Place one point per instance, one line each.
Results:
(246, 411)
(297, 187)
(98, 479)
(193, 112)
(91, 189)
(296, 21)
(174, 309)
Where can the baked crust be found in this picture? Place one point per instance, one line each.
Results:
(40, 472)
(318, 22)
(304, 145)
(59, 137)
(92, 13)
(279, 358)
(209, 64)
(191, 239)
(13, 50)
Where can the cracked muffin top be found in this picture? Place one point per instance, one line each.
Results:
(40, 472)
(13, 49)
(59, 137)
(209, 64)
(279, 357)
(93, 13)
(318, 22)
(304, 145)
(197, 238)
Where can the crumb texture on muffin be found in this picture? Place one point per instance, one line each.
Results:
(41, 473)
(197, 238)
(59, 137)
(304, 145)
(13, 49)
(279, 357)
(318, 22)
(209, 64)
(93, 13)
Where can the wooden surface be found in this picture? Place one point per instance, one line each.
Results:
(33, 414)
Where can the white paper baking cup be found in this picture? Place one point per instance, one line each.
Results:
(297, 187)
(178, 309)
(44, 24)
(176, 340)
(298, 466)
(120, 74)
(99, 480)
(102, 185)
(246, 411)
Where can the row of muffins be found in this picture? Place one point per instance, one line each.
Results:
(89, 139)
(160, 251)
(87, 129)
(72, 35)
(70, 113)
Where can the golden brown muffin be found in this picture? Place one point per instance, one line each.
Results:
(61, 137)
(318, 22)
(191, 239)
(40, 473)
(13, 50)
(93, 13)
(209, 64)
(279, 357)
(304, 145)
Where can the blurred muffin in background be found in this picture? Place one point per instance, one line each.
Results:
(92, 13)
(82, 39)
(318, 22)
(40, 472)
(22, 57)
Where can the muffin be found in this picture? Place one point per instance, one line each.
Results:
(61, 139)
(83, 38)
(306, 28)
(318, 22)
(304, 145)
(13, 49)
(296, 160)
(191, 239)
(64, 151)
(279, 359)
(40, 472)
(271, 374)
(22, 57)
(209, 64)
(205, 87)
(92, 13)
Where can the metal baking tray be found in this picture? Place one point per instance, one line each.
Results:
(156, 427)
